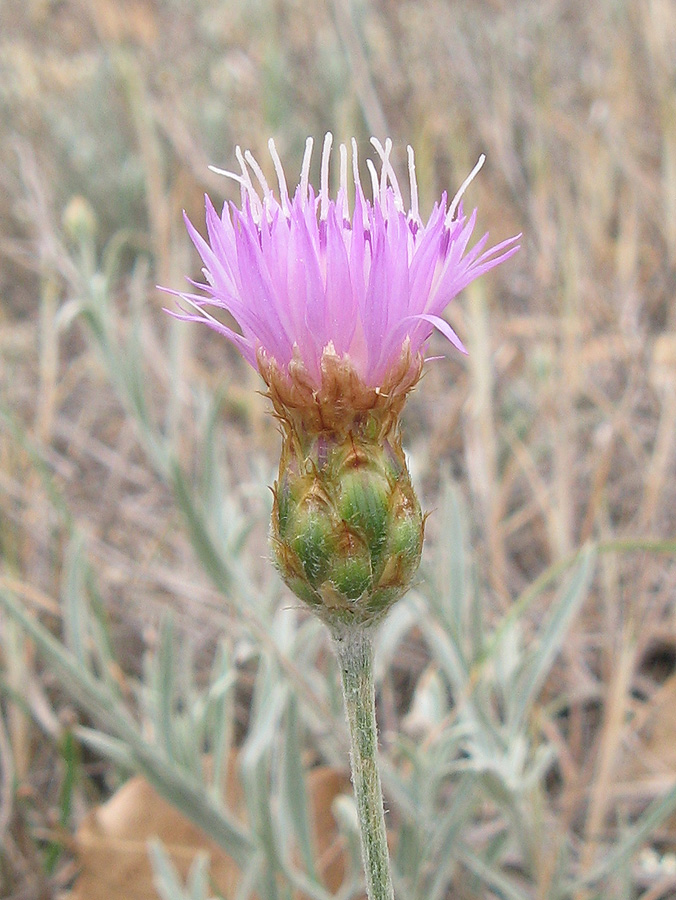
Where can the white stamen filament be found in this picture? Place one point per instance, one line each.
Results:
(245, 172)
(324, 178)
(247, 185)
(463, 188)
(415, 213)
(355, 165)
(281, 177)
(345, 210)
(305, 168)
(357, 182)
(392, 175)
(379, 183)
(382, 153)
(204, 313)
(233, 175)
(374, 180)
(258, 172)
(387, 173)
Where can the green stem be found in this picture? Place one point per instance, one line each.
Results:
(354, 648)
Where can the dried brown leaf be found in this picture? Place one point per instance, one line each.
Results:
(112, 841)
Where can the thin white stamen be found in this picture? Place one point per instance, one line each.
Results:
(463, 188)
(247, 185)
(392, 175)
(233, 175)
(324, 179)
(415, 213)
(305, 168)
(374, 180)
(387, 173)
(355, 164)
(380, 150)
(281, 177)
(357, 183)
(345, 209)
(200, 309)
(245, 171)
(258, 172)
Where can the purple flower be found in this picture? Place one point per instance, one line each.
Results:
(305, 277)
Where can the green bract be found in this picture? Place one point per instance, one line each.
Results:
(347, 529)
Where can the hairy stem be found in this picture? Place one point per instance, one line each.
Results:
(354, 648)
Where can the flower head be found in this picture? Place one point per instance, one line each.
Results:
(335, 307)
(316, 287)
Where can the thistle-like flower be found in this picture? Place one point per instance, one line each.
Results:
(335, 308)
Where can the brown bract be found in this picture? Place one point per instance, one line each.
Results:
(343, 403)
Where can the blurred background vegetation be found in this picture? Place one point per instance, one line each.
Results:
(558, 430)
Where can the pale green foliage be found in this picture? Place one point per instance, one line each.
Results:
(465, 777)
(560, 423)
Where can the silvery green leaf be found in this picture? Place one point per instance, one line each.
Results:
(294, 805)
(391, 631)
(552, 636)
(167, 880)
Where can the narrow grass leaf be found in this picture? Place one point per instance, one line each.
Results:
(444, 649)
(294, 803)
(305, 886)
(550, 642)
(345, 812)
(390, 633)
(255, 764)
(251, 875)
(164, 688)
(409, 852)
(83, 687)
(165, 876)
(173, 784)
(439, 854)
(632, 840)
(198, 877)
(213, 562)
(132, 356)
(74, 611)
(220, 717)
(70, 755)
(450, 562)
(192, 799)
(211, 475)
(496, 880)
(102, 647)
(108, 747)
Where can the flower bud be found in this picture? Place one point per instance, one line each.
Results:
(79, 220)
(347, 529)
